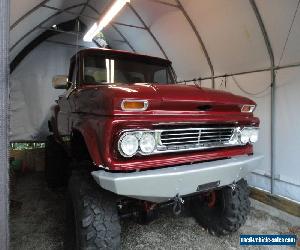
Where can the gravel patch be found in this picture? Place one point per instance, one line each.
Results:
(39, 224)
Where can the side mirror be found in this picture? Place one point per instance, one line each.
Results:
(60, 82)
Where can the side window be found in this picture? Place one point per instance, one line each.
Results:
(136, 77)
(161, 76)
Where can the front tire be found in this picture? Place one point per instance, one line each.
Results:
(223, 211)
(92, 216)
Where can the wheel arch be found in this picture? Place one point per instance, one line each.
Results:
(87, 137)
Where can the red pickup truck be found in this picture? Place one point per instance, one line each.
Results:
(129, 140)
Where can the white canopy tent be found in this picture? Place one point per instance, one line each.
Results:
(246, 47)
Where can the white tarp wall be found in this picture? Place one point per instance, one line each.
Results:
(234, 42)
(32, 94)
(287, 121)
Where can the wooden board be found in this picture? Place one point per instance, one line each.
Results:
(278, 202)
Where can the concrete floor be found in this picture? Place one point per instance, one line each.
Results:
(39, 224)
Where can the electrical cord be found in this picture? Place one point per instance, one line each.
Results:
(247, 92)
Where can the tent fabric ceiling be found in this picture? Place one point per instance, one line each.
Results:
(229, 30)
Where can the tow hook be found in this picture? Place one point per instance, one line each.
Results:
(233, 186)
(178, 202)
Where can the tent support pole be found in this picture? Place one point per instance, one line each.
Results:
(273, 96)
(273, 85)
(4, 85)
(130, 25)
(123, 37)
(148, 30)
(165, 3)
(66, 44)
(180, 6)
(62, 31)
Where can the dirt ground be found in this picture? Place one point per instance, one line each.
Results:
(39, 224)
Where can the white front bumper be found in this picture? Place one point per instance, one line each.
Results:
(159, 185)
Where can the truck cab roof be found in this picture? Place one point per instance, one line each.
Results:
(122, 54)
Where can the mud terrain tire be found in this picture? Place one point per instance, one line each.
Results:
(92, 216)
(229, 212)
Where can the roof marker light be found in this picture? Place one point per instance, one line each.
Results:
(108, 16)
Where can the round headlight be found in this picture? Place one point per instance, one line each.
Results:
(128, 145)
(254, 135)
(245, 136)
(147, 143)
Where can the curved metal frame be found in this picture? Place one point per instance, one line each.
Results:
(123, 37)
(28, 13)
(273, 86)
(211, 67)
(148, 30)
(41, 23)
(68, 12)
(83, 8)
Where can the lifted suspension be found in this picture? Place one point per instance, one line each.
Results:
(145, 212)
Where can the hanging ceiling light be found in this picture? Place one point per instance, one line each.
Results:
(108, 16)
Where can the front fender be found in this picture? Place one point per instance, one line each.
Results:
(92, 135)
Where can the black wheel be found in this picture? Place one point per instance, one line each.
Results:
(56, 164)
(92, 216)
(223, 211)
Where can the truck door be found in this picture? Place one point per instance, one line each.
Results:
(66, 103)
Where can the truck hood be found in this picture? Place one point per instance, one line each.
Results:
(167, 98)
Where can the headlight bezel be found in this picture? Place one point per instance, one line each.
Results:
(144, 134)
(120, 149)
(138, 134)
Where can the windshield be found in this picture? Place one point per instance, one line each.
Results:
(102, 70)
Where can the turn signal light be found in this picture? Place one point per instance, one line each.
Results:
(134, 105)
(248, 108)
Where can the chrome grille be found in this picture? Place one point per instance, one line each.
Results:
(189, 138)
